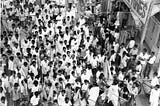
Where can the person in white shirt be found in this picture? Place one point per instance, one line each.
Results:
(84, 76)
(113, 93)
(143, 57)
(35, 87)
(78, 69)
(116, 46)
(85, 86)
(61, 98)
(33, 68)
(112, 57)
(11, 64)
(44, 65)
(94, 61)
(35, 99)
(67, 102)
(116, 35)
(134, 92)
(155, 80)
(134, 50)
(93, 95)
(154, 96)
(3, 101)
(121, 76)
(5, 81)
(81, 21)
(139, 68)
(124, 60)
(149, 65)
(131, 44)
(24, 69)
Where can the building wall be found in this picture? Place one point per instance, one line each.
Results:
(105, 6)
(152, 36)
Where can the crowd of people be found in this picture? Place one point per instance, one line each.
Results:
(52, 56)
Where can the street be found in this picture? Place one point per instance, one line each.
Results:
(142, 100)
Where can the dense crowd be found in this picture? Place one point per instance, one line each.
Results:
(53, 55)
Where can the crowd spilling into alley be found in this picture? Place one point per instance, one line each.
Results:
(56, 53)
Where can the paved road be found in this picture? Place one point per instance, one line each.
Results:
(142, 100)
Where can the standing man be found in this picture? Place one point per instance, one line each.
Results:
(93, 95)
(113, 93)
(143, 57)
(154, 96)
(149, 65)
(70, 2)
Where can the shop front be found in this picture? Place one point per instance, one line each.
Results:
(132, 17)
(148, 13)
(152, 37)
(139, 10)
(152, 31)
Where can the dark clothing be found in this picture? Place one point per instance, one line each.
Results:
(117, 60)
(147, 70)
(70, 5)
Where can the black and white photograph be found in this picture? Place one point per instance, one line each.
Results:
(79, 52)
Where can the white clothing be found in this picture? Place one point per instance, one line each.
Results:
(112, 58)
(67, 104)
(85, 87)
(124, 61)
(121, 77)
(131, 44)
(61, 99)
(154, 97)
(154, 82)
(35, 89)
(134, 51)
(144, 57)
(3, 104)
(79, 69)
(152, 60)
(139, 68)
(11, 65)
(34, 70)
(93, 94)
(85, 77)
(44, 65)
(116, 46)
(116, 35)
(113, 94)
(34, 101)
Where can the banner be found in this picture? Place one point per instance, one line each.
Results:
(139, 7)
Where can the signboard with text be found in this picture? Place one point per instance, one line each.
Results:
(139, 7)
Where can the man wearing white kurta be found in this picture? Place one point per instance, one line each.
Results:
(93, 95)
(113, 93)
(154, 96)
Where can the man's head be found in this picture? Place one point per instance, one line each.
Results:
(3, 99)
(153, 53)
(144, 50)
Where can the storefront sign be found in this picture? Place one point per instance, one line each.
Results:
(139, 7)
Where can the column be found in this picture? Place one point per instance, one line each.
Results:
(146, 26)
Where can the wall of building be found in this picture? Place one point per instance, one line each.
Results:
(152, 36)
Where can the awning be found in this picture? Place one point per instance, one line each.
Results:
(155, 9)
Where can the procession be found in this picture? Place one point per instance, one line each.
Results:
(71, 53)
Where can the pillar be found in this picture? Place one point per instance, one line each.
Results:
(145, 26)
